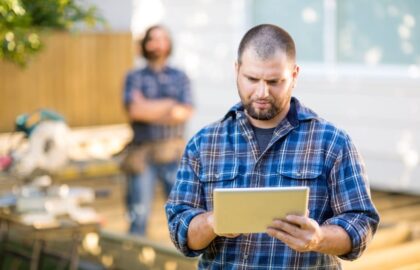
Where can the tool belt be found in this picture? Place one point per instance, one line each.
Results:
(136, 156)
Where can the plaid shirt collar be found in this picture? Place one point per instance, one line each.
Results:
(149, 69)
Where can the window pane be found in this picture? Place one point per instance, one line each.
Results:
(378, 31)
(303, 19)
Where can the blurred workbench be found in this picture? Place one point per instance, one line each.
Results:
(39, 238)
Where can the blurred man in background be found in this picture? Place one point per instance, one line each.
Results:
(270, 139)
(158, 103)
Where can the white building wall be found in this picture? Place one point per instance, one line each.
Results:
(206, 34)
(381, 114)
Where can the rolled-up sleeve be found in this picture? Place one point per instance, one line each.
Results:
(185, 201)
(351, 201)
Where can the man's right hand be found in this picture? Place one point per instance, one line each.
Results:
(201, 231)
(210, 220)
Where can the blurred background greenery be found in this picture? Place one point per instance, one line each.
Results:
(22, 23)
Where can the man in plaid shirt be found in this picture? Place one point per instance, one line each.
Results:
(270, 139)
(158, 101)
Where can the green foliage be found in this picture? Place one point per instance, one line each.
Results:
(23, 21)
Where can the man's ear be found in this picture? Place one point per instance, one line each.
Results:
(295, 75)
(296, 70)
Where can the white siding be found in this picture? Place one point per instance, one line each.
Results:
(206, 34)
(381, 115)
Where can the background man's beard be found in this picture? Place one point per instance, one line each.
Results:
(154, 56)
(269, 114)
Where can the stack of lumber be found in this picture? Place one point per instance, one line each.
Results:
(396, 245)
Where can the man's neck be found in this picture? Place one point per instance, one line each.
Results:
(158, 64)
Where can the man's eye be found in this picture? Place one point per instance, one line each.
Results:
(252, 79)
(273, 82)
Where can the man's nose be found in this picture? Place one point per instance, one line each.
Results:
(263, 89)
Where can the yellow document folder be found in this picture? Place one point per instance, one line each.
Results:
(252, 210)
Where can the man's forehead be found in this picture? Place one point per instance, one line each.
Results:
(251, 60)
(261, 53)
(279, 56)
(159, 32)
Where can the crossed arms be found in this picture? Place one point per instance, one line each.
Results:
(158, 111)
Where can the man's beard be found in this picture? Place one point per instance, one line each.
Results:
(267, 114)
(153, 56)
(156, 55)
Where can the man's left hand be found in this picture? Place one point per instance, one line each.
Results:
(298, 232)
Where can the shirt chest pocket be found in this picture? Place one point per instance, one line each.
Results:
(299, 174)
(223, 175)
(308, 175)
(297, 169)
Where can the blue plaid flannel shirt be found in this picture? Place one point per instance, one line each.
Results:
(305, 151)
(167, 83)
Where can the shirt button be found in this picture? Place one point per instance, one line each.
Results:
(246, 257)
(217, 175)
(249, 136)
(299, 173)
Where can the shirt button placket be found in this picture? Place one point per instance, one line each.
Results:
(245, 261)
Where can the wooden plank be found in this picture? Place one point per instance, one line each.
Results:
(129, 251)
(394, 201)
(389, 258)
(377, 194)
(406, 213)
(415, 229)
(390, 236)
(414, 266)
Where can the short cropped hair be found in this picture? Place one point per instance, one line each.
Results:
(266, 40)
(146, 38)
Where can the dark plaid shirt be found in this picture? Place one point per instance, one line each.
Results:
(305, 151)
(168, 83)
